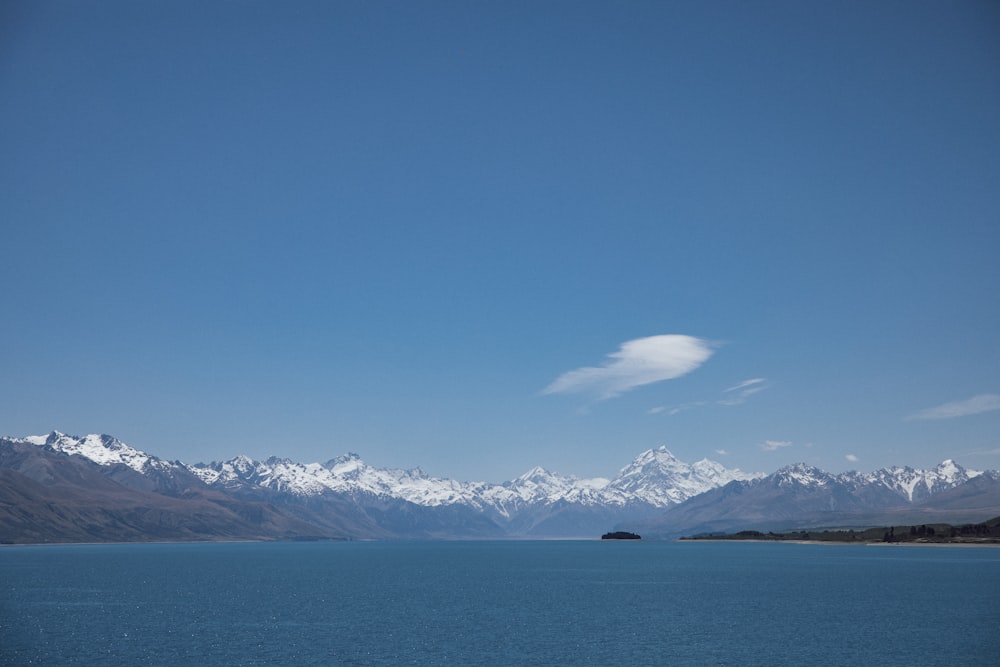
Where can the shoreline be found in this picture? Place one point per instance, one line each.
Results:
(836, 543)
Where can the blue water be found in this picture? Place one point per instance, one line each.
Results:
(498, 603)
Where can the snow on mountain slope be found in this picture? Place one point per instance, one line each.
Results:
(654, 478)
(101, 449)
(909, 483)
(659, 478)
(918, 484)
(539, 487)
(346, 474)
(801, 474)
(226, 474)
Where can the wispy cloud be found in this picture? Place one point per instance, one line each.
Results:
(734, 395)
(745, 383)
(721, 452)
(674, 409)
(774, 445)
(739, 393)
(970, 406)
(982, 452)
(852, 458)
(638, 362)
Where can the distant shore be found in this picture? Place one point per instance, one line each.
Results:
(835, 543)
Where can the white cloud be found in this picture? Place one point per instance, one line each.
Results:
(637, 362)
(773, 445)
(970, 406)
(852, 458)
(721, 452)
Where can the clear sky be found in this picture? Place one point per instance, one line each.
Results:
(483, 236)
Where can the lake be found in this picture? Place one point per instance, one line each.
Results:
(498, 603)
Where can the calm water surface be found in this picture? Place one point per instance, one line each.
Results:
(498, 603)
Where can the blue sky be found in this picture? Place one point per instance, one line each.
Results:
(482, 236)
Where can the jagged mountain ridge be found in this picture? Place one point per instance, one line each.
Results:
(655, 478)
(50, 496)
(800, 495)
(101, 449)
(907, 482)
(395, 502)
(348, 498)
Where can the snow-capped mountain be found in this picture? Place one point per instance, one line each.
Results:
(538, 502)
(101, 449)
(800, 494)
(655, 478)
(346, 474)
(538, 485)
(905, 482)
(660, 479)
(346, 497)
(918, 484)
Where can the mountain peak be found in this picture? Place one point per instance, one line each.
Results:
(801, 473)
(952, 473)
(535, 474)
(661, 456)
(101, 449)
(344, 464)
(661, 453)
(243, 463)
(52, 438)
(662, 479)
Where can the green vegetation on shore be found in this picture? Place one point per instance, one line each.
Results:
(987, 532)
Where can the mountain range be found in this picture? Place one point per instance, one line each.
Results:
(61, 488)
(801, 496)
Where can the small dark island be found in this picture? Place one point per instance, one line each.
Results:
(620, 535)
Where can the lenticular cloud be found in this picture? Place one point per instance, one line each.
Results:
(637, 362)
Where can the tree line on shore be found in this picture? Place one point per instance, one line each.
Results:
(987, 532)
